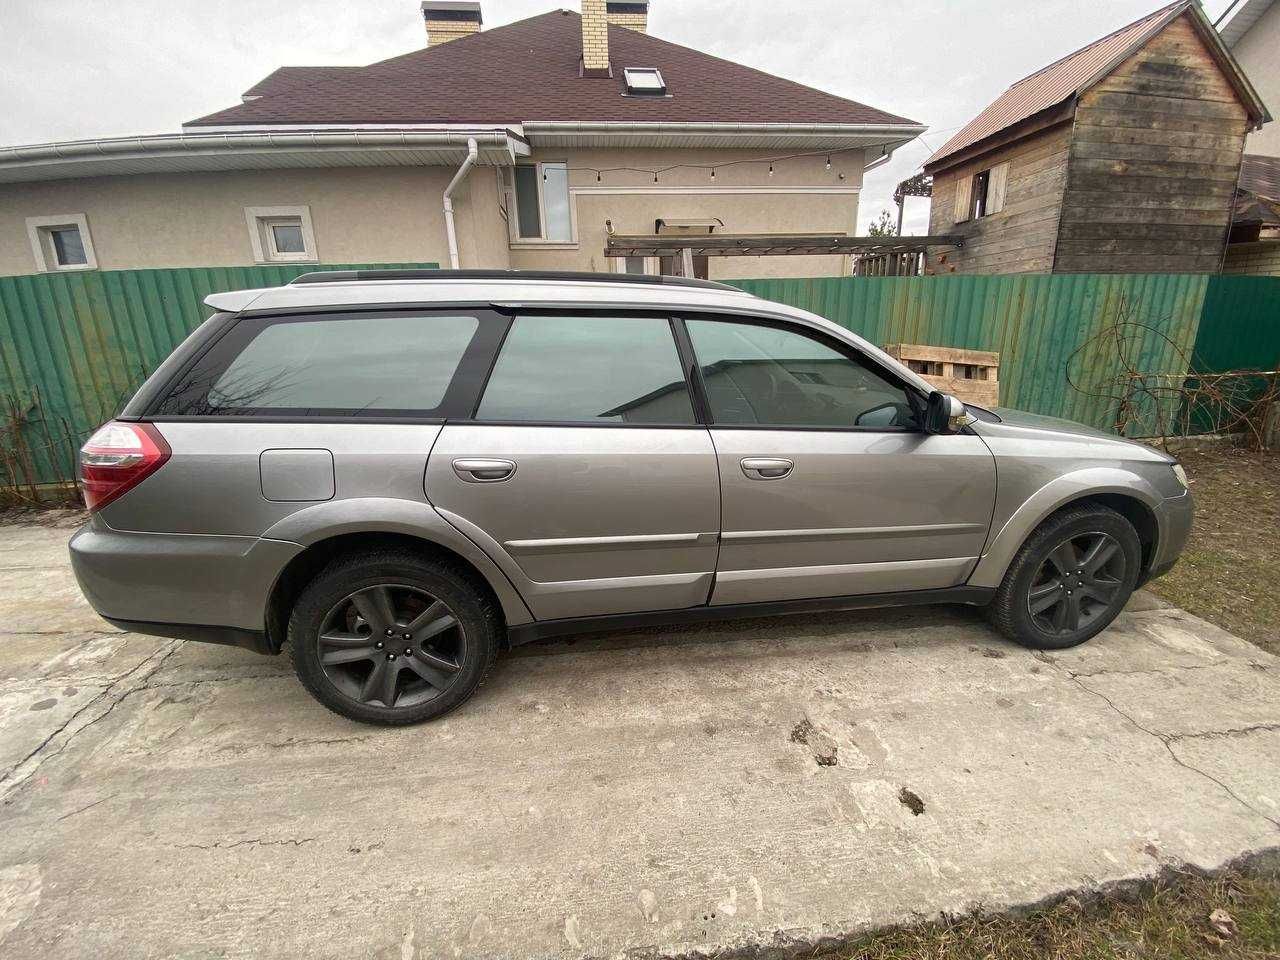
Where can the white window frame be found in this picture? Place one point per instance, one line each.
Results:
(259, 220)
(513, 218)
(39, 232)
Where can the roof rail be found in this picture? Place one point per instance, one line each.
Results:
(340, 276)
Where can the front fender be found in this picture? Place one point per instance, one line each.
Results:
(334, 518)
(1048, 499)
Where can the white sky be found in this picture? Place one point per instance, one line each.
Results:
(85, 68)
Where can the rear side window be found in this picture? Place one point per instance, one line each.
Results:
(588, 369)
(349, 366)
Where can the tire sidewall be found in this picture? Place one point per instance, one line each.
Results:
(343, 579)
(1037, 551)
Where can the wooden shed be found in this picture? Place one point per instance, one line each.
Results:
(1120, 158)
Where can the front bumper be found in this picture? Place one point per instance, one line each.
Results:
(1173, 518)
(180, 585)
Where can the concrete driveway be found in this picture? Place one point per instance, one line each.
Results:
(749, 785)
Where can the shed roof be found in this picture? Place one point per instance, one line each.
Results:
(1064, 79)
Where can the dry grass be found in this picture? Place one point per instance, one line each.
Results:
(1230, 572)
(1167, 920)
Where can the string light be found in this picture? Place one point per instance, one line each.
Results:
(710, 168)
(771, 170)
(713, 173)
(828, 162)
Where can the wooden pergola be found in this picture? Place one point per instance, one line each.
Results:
(684, 247)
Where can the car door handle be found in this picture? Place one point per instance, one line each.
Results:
(766, 468)
(484, 471)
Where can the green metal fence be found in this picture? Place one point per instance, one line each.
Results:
(73, 347)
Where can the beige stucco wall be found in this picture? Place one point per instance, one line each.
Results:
(394, 215)
(1259, 53)
(359, 215)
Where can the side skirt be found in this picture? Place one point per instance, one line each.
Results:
(540, 629)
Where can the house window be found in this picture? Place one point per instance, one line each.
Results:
(543, 210)
(644, 82)
(281, 234)
(61, 243)
(639, 265)
(981, 194)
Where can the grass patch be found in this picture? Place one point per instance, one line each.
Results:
(1230, 572)
(1165, 920)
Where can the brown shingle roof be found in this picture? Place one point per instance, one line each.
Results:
(285, 79)
(1053, 84)
(529, 71)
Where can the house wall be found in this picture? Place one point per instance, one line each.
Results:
(802, 196)
(1261, 258)
(1021, 237)
(394, 214)
(1258, 52)
(359, 215)
(1154, 160)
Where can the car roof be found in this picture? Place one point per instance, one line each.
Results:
(513, 287)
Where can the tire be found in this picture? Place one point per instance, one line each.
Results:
(444, 636)
(1097, 591)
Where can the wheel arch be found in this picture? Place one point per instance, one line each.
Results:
(332, 529)
(1128, 494)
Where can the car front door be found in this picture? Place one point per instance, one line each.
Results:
(583, 472)
(828, 485)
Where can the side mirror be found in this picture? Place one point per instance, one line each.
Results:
(942, 413)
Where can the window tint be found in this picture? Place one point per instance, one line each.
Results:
(612, 369)
(347, 366)
(758, 374)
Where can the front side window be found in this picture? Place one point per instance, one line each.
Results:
(775, 376)
(588, 369)
(542, 203)
(348, 366)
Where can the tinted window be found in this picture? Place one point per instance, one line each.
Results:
(758, 374)
(615, 369)
(368, 365)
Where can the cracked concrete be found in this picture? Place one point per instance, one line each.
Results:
(759, 784)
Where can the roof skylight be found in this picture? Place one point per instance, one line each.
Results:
(645, 82)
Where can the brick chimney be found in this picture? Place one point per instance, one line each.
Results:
(633, 16)
(595, 38)
(450, 19)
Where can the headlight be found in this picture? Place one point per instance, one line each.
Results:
(1181, 474)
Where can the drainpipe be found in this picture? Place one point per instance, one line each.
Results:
(472, 153)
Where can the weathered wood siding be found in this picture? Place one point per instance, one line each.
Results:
(1153, 162)
(1020, 238)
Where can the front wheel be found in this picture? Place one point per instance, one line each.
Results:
(1071, 578)
(392, 638)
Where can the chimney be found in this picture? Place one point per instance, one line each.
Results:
(450, 19)
(633, 16)
(595, 38)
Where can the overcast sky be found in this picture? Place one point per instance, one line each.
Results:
(86, 68)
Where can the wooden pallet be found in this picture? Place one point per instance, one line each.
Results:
(971, 375)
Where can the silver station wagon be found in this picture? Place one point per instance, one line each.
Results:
(398, 474)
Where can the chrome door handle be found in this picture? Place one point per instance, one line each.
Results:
(766, 468)
(484, 471)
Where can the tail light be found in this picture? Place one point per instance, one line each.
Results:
(117, 458)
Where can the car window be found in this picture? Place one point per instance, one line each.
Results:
(356, 366)
(598, 369)
(757, 374)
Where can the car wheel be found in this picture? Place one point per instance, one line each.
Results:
(1071, 578)
(393, 638)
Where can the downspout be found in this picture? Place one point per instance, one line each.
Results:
(472, 153)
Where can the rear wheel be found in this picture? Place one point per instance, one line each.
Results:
(392, 638)
(1071, 578)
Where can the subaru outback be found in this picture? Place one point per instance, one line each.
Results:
(398, 474)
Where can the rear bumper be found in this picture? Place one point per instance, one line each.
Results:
(176, 585)
(1173, 517)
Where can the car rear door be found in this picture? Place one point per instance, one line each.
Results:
(583, 472)
(828, 486)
